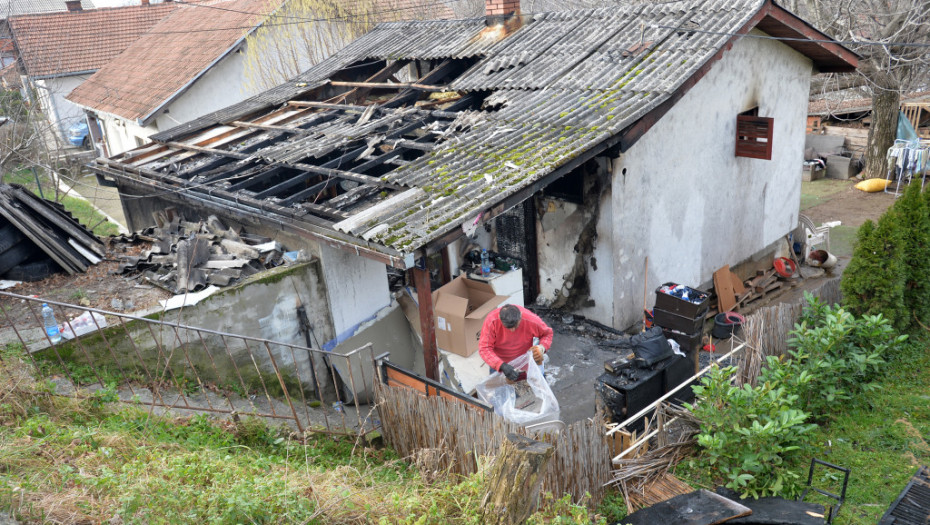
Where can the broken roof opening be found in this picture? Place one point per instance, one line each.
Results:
(390, 145)
(323, 157)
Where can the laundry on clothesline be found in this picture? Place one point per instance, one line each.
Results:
(907, 159)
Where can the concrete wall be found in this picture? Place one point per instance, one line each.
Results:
(263, 306)
(59, 111)
(683, 198)
(223, 85)
(121, 135)
(557, 230)
(357, 289)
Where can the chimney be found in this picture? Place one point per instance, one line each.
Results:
(500, 11)
(145, 2)
(73, 6)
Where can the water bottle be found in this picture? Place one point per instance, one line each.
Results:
(51, 325)
(485, 263)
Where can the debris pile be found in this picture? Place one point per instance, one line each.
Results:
(188, 256)
(38, 237)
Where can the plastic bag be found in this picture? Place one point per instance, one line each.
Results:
(497, 392)
(651, 346)
(83, 324)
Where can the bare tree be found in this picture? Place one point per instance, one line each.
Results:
(29, 141)
(892, 37)
(301, 33)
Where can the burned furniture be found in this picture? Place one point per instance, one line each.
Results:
(912, 507)
(635, 380)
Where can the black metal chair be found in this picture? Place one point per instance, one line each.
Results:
(833, 510)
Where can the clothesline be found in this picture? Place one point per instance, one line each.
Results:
(907, 159)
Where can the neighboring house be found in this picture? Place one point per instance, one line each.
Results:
(59, 51)
(579, 142)
(199, 67)
(848, 113)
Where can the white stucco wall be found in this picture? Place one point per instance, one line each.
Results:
(357, 287)
(121, 134)
(557, 230)
(60, 112)
(223, 85)
(682, 197)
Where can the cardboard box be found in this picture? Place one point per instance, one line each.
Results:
(460, 308)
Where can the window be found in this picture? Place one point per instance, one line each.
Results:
(754, 135)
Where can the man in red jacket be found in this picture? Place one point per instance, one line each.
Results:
(507, 333)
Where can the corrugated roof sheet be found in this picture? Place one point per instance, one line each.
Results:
(61, 43)
(561, 84)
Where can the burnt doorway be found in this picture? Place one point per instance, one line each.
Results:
(516, 238)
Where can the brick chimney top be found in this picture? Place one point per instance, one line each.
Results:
(73, 6)
(501, 8)
(145, 2)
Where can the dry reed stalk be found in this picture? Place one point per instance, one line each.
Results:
(767, 330)
(635, 474)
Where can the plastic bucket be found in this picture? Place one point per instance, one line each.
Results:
(726, 323)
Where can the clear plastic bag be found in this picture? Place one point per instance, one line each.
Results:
(497, 392)
(83, 324)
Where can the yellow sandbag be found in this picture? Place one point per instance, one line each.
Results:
(873, 185)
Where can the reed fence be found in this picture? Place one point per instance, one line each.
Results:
(411, 422)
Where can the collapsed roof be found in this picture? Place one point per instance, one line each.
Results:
(416, 128)
(33, 230)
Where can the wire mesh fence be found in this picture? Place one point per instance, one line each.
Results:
(179, 369)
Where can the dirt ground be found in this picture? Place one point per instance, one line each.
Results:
(98, 288)
(841, 201)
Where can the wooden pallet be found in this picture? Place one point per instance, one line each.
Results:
(764, 284)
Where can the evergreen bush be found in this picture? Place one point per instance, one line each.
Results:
(912, 215)
(875, 279)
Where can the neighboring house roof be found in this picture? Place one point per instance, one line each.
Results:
(176, 51)
(513, 110)
(58, 44)
(10, 8)
(853, 100)
(139, 82)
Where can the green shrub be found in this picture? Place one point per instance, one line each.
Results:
(913, 218)
(875, 279)
(841, 354)
(749, 434)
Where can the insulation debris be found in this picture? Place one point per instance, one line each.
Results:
(186, 257)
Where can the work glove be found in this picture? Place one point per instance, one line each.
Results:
(538, 352)
(509, 372)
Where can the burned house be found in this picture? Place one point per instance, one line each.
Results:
(578, 143)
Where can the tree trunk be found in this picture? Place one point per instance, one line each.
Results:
(514, 480)
(885, 106)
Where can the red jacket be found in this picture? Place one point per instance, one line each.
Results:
(499, 345)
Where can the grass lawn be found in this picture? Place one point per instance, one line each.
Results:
(842, 239)
(92, 461)
(82, 210)
(881, 439)
(819, 191)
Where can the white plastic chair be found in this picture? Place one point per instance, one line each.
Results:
(812, 235)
